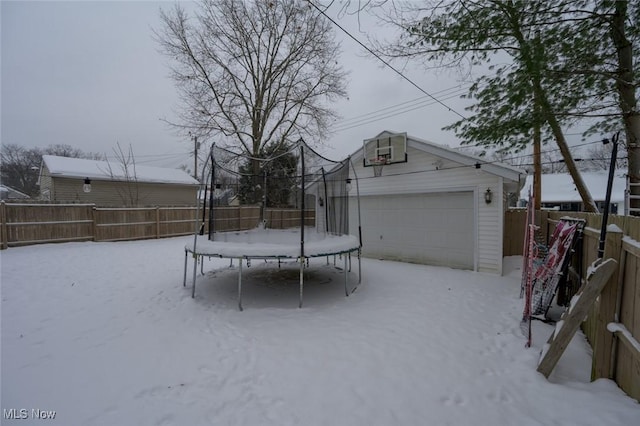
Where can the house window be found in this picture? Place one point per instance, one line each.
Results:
(613, 207)
(570, 207)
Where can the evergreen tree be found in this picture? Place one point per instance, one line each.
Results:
(277, 172)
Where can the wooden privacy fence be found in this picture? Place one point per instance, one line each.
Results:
(615, 354)
(26, 224)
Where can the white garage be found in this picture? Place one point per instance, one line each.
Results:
(429, 203)
(433, 228)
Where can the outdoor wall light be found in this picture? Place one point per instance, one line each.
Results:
(218, 189)
(348, 185)
(87, 185)
(488, 196)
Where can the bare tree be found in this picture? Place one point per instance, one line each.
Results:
(252, 73)
(64, 150)
(552, 162)
(125, 172)
(599, 157)
(20, 167)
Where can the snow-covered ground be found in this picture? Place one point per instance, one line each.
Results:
(105, 334)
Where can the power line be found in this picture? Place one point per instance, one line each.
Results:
(385, 62)
(477, 165)
(407, 108)
(548, 151)
(420, 101)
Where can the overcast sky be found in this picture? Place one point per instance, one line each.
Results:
(89, 74)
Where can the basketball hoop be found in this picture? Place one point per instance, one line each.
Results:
(378, 163)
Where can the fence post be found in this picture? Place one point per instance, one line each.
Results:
(542, 217)
(4, 237)
(606, 313)
(157, 222)
(94, 226)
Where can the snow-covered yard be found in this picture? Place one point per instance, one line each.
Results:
(105, 334)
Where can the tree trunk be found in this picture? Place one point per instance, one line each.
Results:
(531, 57)
(587, 199)
(627, 96)
(547, 114)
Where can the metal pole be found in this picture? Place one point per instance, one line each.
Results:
(346, 276)
(605, 215)
(302, 183)
(358, 199)
(326, 203)
(240, 284)
(211, 189)
(195, 270)
(186, 257)
(195, 157)
(301, 281)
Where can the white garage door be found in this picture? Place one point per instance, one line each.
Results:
(435, 229)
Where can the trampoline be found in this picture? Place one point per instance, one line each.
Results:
(294, 175)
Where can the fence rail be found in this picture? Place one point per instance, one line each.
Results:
(619, 301)
(26, 224)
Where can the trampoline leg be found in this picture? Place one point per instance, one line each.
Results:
(202, 265)
(346, 276)
(359, 267)
(301, 280)
(186, 258)
(240, 284)
(195, 271)
(349, 254)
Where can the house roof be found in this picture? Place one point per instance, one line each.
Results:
(503, 170)
(559, 187)
(103, 170)
(6, 192)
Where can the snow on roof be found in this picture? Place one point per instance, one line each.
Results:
(559, 187)
(8, 192)
(445, 151)
(103, 170)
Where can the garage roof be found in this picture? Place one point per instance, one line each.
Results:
(103, 170)
(500, 169)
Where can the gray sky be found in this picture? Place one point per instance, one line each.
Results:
(89, 74)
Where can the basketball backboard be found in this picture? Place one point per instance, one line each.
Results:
(388, 149)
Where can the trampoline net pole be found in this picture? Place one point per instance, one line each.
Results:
(240, 284)
(211, 190)
(302, 183)
(346, 275)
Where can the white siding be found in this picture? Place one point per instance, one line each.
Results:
(436, 228)
(419, 175)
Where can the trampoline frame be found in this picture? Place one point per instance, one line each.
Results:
(198, 257)
(198, 253)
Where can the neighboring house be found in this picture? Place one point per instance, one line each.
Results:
(221, 197)
(74, 180)
(560, 193)
(431, 204)
(8, 193)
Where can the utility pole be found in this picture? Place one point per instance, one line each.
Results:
(195, 156)
(537, 163)
(537, 142)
